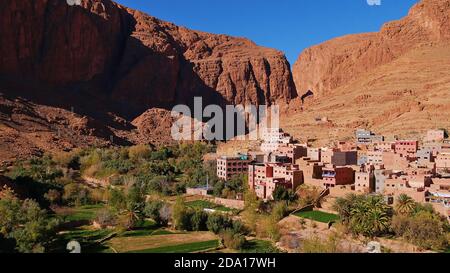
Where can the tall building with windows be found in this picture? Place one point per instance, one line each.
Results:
(229, 166)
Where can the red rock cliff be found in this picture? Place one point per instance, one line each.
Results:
(335, 63)
(135, 59)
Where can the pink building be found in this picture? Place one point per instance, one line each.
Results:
(394, 161)
(385, 146)
(406, 147)
(443, 162)
(264, 178)
(228, 166)
(396, 185)
(326, 155)
(365, 181)
(293, 152)
(435, 136)
(375, 157)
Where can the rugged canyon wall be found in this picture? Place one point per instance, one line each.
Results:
(133, 58)
(100, 73)
(335, 63)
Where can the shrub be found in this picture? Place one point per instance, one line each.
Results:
(424, 229)
(53, 196)
(217, 222)
(198, 220)
(233, 240)
(181, 215)
(139, 152)
(106, 218)
(279, 211)
(76, 194)
(152, 210)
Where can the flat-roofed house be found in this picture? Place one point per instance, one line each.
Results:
(443, 163)
(229, 166)
(264, 178)
(326, 155)
(380, 178)
(435, 136)
(406, 147)
(335, 176)
(314, 154)
(385, 146)
(344, 158)
(375, 157)
(394, 161)
(396, 185)
(365, 180)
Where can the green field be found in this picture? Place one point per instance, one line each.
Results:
(203, 204)
(318, 216)
(183, 248)
(84, 213)
(145, 232)
(259, 246)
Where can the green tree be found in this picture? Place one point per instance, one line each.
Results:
(198, 220)
(135, 203)
(24, 222)
(53, 196)
(152, 210)
(366, 215)
(217, 222)
(181, 216)
(405, 205)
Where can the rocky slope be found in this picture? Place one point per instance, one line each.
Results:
(330, 65)
(90, 70)
(395, 82)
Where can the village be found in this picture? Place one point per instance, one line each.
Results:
(370, 164)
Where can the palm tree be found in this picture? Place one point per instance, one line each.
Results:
(405, 205)
(370, 216)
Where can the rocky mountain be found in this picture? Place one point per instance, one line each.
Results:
(133, 58)
(330, 65)
(395, 81)
(91, 69)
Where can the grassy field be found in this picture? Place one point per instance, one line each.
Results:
(182, 248)
(84, 213)
(173, 242)
(259, 246)
(88, 239)
(203, 204)
(318, 216)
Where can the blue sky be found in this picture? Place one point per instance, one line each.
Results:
(287, 25)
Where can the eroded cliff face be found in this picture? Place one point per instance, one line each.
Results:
(72, 76)
(335, 63)
(394, 82)
(134, 58)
